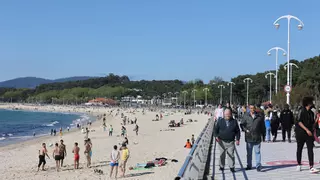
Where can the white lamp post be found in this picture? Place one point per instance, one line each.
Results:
(194, 97)
(291, 64)
(300, 26)
(184, 97)
(270, 95)
(176, 93)
(206, 95)
(284, 54)
(221, 86)
(231, 84)
(170, 96)
(247, 80)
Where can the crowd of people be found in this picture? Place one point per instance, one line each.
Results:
(260, 124)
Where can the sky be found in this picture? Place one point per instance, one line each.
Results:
(151, 39)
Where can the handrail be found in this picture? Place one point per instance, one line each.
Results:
(198, 155)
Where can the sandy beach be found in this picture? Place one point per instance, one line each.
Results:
(19, 161)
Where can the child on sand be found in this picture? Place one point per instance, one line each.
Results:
(75, 151)
(188, 144)
(42, 156)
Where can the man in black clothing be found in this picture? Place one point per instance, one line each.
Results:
(287, 121)
(227, 131)
(304, 129)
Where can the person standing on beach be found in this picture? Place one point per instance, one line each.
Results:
(110, 130)
(125, 154)
(51, 132)
(87, 152)
(63, 151)
(42, 156)
(136, 129)
(87, 133)
(56, 156)
(68, 128)
(114, 162)
(60, 132)
(54, 132)
(75, 151)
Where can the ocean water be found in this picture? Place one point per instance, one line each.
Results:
(17, 126)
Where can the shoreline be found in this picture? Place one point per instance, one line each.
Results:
(42, 137)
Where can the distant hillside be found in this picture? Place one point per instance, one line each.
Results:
(32, 82)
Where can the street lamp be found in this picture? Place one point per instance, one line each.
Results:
(270, 95)
(164, 97)
(284, 54)
(194, 96)
(230, 84)
(206, 95)
(221, 86)
(170, 96)
(300, 26)
(176, 93)
(291, 64)
(184, 97)
(247, 80)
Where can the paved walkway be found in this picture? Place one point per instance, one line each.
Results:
(278, 162)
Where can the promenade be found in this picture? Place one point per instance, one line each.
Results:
(278, 162)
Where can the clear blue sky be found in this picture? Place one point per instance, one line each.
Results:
(150, 39)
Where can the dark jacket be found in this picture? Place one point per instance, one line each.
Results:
(307, 119)
(275, 120)
(255, 129)
(286, 119)
(227, 133)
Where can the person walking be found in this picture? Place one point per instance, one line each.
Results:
(254, 126)
(287, 121)
(304, 135)
(218, 113)
(227, 135)
(275, 122)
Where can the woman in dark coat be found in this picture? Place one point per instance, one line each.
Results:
(275, 121)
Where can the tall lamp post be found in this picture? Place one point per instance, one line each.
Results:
(170, 96)
(164, 98)
(184, 97)
(221, 86)
(284, 54)
(248, 80)
(291, 64)
(194, 96)
(176, 93)
(300, 26)
(231, 84)
(270, 91)
(206, 95)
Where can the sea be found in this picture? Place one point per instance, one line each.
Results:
(17, 126)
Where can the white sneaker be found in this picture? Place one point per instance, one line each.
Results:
(299, 168)
(314, 170)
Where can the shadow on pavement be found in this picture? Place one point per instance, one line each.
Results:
(271, 168)
(241, 165)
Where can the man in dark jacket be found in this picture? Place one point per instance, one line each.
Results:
(287, 121)
(254, 127)
(227, 131)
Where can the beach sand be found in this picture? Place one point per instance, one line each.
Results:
(19, 161)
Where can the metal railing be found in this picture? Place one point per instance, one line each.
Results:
(194, 166)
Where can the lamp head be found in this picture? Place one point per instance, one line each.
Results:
(269, 54)
(277, 25)
(284, 54)
(300, 26)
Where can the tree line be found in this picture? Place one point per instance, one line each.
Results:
(305, 82)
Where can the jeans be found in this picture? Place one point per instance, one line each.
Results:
(256, 147)
(226, 148)
(268, 134)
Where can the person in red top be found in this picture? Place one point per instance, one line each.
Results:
(188, 144)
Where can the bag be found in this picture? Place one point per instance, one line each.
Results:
(315, 135)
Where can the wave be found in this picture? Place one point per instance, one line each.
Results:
(2, 138)
(7, 135)
(51, 124)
